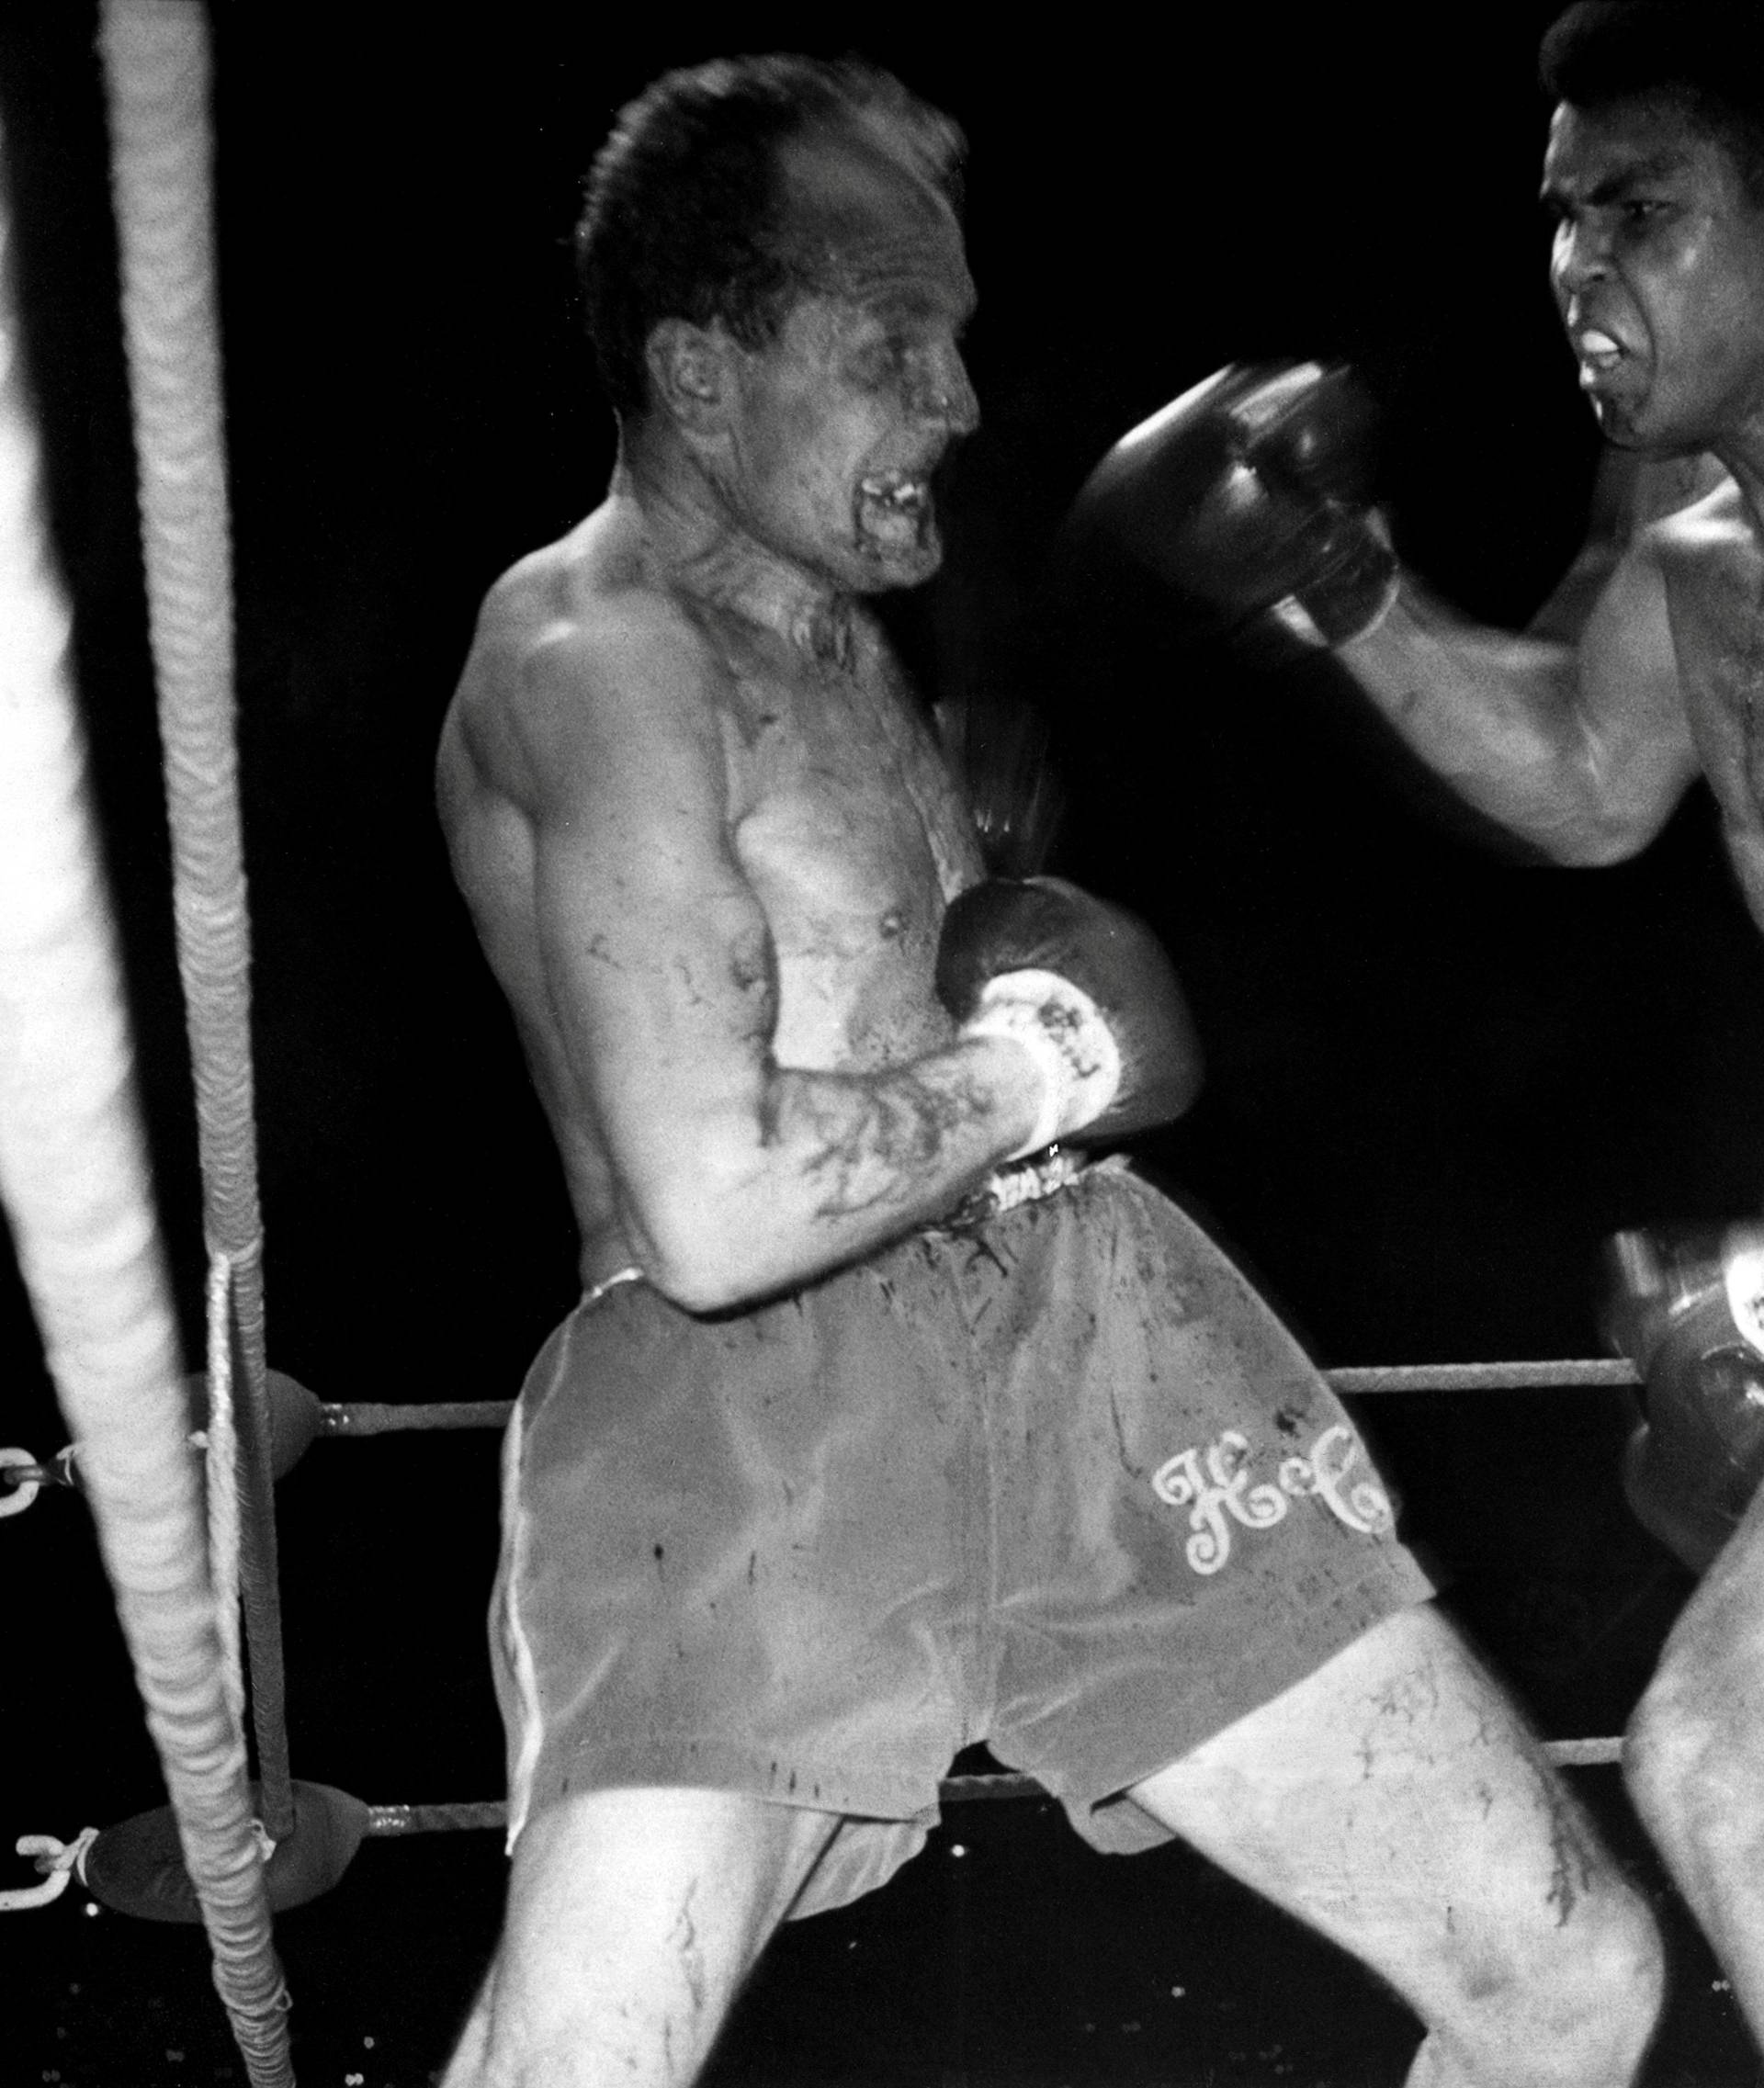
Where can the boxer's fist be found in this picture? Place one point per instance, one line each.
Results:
(1685, 1310)
(1251, 494)
(1088, 991)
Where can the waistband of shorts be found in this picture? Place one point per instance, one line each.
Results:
(1027, 1180)
(630, 1274)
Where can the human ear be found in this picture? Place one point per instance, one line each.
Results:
(689, 373)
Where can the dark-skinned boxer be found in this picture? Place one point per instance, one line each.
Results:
(1640, 676)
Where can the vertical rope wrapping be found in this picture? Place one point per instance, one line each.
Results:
(156, 67)
(74, 1178)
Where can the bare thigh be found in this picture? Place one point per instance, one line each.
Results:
(633, 1917)
(1395, 1802)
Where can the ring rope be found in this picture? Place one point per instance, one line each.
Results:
(369, 1418)
(391, 1820)
(1593, 1374)
(382, 1417)
(157, 71)
(76, 1183)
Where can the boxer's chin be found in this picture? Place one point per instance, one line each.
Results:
(1617, 421)
(1626, 425)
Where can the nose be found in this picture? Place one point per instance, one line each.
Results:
(1581, 256)
(946, 395)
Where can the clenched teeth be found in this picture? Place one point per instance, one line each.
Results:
(907, 495)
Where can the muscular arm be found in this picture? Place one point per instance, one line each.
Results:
(737, 1175)
(1573, 734)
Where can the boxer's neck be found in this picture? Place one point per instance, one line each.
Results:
(700, 552)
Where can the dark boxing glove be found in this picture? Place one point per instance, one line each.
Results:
(1251, 494)
(1686, 1309)
(1086, 989)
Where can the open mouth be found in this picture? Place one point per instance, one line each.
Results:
(1599, 354)
(894, 510)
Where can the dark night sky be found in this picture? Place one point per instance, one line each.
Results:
(1439, 1076)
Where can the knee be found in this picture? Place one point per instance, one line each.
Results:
(1620, 1988)
(1570, 2002)
(1580, 2014)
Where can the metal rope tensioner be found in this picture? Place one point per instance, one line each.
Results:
(1687, 1307)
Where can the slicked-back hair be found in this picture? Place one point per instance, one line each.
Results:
(683, 201)
(1704, 58)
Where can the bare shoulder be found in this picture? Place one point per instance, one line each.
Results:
(1681, 564)
(1710, 562)
(576, 649)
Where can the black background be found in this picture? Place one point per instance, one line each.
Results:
(1440, 1075)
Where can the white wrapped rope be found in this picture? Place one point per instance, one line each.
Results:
(74, 1181)
(157, 71)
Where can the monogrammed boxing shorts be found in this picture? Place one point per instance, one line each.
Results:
(1058, 1481)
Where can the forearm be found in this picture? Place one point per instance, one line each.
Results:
(821, 1167)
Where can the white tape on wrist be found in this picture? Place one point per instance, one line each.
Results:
(1063, 1031)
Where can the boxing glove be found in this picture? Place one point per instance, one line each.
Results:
(1252, 494)
(1088, 991)
(1685, 1309)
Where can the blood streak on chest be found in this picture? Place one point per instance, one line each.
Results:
(836, 852)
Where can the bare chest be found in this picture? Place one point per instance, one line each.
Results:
(852, 837)
(1717, 608)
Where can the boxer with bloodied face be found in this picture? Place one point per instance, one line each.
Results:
(893, 1418)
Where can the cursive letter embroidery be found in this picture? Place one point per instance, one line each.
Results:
(1214, 1486)
(1223, 1490)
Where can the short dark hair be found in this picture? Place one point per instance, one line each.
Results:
(682, 201)
(1705, 57)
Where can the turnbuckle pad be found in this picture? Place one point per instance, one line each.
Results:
(137, 1867)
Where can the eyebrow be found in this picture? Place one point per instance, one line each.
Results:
(1655, 166)
(904, 300)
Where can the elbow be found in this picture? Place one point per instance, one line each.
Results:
(697, 1287)
(1616, 809)
(1597, 844)
(1603, 855)
(693, 1247)
(693, 1267)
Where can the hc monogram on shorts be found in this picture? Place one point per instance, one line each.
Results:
(1215, 1486)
